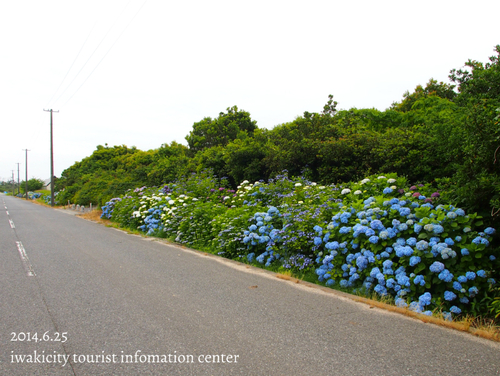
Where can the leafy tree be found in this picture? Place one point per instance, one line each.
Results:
(228, 126)
(170, 162)
(244, 159)
(34, 184)
(477, 181)
(440, 89)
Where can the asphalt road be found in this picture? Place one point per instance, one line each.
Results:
(78, 298)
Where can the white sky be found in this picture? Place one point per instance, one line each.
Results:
(176, 62)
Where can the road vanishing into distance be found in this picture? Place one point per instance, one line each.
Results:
(79, 298)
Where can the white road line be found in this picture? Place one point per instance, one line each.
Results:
(7, 213)
(12, 223)
(25, 260)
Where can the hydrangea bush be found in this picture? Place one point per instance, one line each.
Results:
(377, 235)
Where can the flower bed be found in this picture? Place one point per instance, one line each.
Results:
(377, 235)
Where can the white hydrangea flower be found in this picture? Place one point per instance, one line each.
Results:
(364, 181)
(345, 191)
(408, 194)
(301, 202)
(393, 187)
(390, 181)
(298, 185)
(381, 177)
(358, 192)
(171, 202)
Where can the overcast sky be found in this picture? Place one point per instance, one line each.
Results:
(140, 73)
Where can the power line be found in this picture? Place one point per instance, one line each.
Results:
(116, 40)
(102, 40)
(84, 43)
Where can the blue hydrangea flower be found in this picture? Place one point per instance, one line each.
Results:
(445, 276)
(381, 290)
(411, 242)
(344, 230)
(422, 245)
(373, 239)
(403, 280)
(362, 262)
(436, 267)
(414, 260)
(390, 283)
(375, 271)
(438, 229)
(387, 190)
(449, 296)
(492, 281)
(419, 280)
(369, 232)
(400, 302)
(451, 215)
(473, 291)
(462, 279)
(404, 212)
(490, 231)
(377, 225)
(492, 258)
(449, 241)
(425, 299)
(456, 310)
(464, 300)
(470, 276)
(481, 273)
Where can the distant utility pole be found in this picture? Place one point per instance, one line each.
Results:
(51, 160)
(18, 189)
(26, 179)
(13, 184)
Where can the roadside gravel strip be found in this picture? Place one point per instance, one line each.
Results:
(105, 302)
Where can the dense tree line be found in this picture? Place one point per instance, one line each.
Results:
(443, 133)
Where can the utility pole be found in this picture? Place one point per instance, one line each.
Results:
(26, 181)
(51, 160)
(13, 184)
(18, 188)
